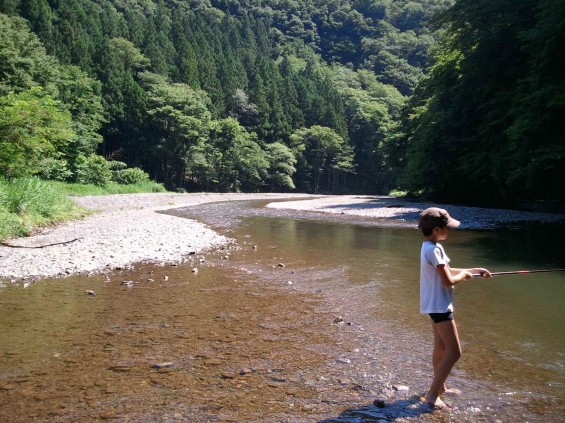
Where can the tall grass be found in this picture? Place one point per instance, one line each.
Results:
(29, 203)
(110, 188)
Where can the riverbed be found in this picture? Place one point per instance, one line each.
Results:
(303, 318)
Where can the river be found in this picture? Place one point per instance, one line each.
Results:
(307, 318)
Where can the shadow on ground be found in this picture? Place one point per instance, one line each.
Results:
(387, 412)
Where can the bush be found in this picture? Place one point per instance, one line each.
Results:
(94, 170)
(54, 169)
(116, 165)
(130, 176)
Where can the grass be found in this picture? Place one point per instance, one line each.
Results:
(27, 204)
(111, 188)
(398, 193)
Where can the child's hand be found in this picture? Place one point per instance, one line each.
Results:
(484, 273)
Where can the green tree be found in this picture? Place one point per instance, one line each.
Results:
(281, 166)
(488, 117)
(178, 119)
(320, 150)
(32, 128)
(23, 60)
(80, 95)
(240, 162)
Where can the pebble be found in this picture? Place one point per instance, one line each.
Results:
(163, 365)
(379, 403)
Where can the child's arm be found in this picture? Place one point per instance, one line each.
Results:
(450, 277)
(476, 271)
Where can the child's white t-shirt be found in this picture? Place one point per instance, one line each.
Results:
(434, 296)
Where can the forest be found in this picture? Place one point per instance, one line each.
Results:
(458, 101)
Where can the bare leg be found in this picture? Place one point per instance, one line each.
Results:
(439, 350)
(447, 351)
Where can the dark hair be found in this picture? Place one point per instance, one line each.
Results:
(427, 231)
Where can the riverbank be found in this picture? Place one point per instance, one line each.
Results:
(128, 228)
(124, 229)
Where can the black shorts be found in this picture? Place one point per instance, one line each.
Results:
(441, 317)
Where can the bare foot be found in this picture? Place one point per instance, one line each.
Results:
(451, 392)
(436, 404)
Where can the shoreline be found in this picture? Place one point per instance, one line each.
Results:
(128, 228)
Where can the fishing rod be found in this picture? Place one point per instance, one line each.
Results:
(518, 272)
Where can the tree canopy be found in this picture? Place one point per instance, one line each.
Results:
(428, 96)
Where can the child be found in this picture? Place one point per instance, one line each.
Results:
(437, 281)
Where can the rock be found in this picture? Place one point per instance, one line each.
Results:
(90, 292)
(380, 403)
(343, 360)
(120, 368)
(165, 278)
(338, 320)
(403, 388)
(281, 265)
(163, 365)
(195, 270)
(109, 416)
(127, 283)
(289, 283)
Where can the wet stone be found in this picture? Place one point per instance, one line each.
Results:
(120, 368)
(380, 403)
(163, 365)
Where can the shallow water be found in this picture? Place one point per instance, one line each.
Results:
(251, 337)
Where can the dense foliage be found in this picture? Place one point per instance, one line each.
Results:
(314, 95)
(487, 125)
(205, 94)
